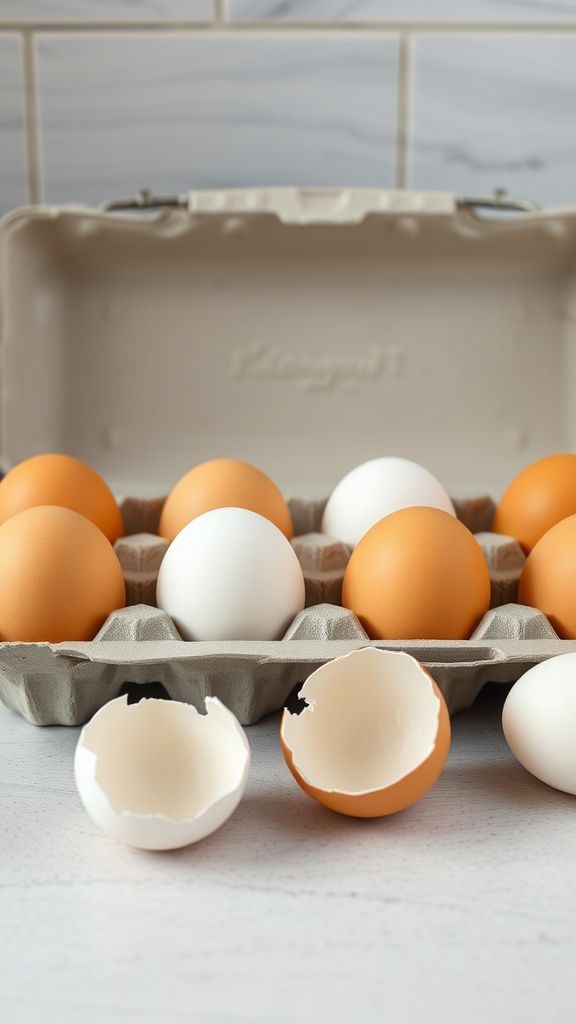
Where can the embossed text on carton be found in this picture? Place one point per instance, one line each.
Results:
(315, 371)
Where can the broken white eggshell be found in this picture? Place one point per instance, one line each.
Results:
(374, 735)
(157, 774)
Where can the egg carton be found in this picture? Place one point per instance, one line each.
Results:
(305, 331)
(139, 651)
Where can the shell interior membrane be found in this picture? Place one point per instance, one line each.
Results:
(161, 757)
(370, 721)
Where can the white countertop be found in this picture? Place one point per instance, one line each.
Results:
(461, 908)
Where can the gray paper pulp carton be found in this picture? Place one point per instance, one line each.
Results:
(305, 331)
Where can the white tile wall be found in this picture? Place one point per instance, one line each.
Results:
(402, 10)
(104, 10)
(455, 94)
(13, 183)
(496, 111)
(175, 112)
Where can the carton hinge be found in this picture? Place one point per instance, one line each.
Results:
(317, 205)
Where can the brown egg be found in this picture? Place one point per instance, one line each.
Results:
(223, 483)
(538, 498)
(548, 580)
(61, 480)
(373, 737)
(417, 574)
(59, 576)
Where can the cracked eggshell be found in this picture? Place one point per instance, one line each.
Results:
(157, 774)
(374, 736)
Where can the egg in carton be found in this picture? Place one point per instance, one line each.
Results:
(139, 652)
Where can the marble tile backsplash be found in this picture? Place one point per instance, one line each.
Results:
(99, 98)
(174, 112)
(13, 177)
(493, 111)
(105, 10)
(402, 10)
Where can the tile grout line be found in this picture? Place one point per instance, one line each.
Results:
(405, 73)
(221, 21)
(31, 117)
(409, 28)
(219, 13)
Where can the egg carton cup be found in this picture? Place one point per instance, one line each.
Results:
(139, 651)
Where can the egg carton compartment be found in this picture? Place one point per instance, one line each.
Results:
(323, 559)
(140, 555)
(139, 649)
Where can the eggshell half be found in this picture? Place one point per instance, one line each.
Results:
(157, 774)
(374, 736)
(539, 721)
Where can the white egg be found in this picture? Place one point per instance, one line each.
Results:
(230, 574)
(159, 775)
(539, 721)
(376, 488)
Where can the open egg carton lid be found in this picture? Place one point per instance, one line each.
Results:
(304, 331)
